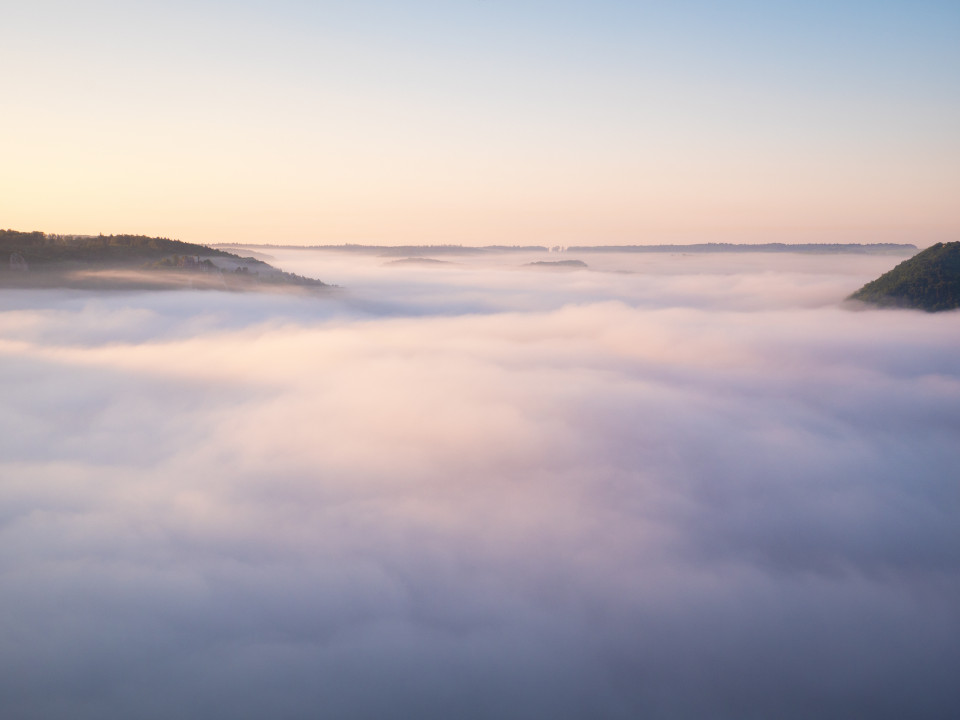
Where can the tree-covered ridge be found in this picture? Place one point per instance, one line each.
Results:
(38, 248)
(37, 259)
(929, 281)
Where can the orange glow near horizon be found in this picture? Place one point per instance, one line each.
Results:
(217, 127)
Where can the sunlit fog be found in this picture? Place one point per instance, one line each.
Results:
(665, 485)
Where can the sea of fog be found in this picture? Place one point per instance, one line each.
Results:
(665, 487)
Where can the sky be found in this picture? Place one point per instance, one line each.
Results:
(668, 486)
(482, 121)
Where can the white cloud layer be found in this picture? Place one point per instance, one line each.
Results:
(668, 487)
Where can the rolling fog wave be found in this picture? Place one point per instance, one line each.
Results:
(680, 491)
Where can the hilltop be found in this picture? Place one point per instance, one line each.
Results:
(557, 265)
(36, 259)
(928, 281)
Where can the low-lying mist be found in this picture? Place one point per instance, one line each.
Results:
(662, 487)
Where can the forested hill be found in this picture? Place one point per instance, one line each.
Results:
(104, 262)
(930, 280)
(38, 248)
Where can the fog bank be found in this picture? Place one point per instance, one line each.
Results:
(662, 487)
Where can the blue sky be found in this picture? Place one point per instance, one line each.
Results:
(483, 121)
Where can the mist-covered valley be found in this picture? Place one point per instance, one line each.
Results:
(662, 486)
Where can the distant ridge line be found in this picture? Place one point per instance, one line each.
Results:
(807, 248)
(827, 248)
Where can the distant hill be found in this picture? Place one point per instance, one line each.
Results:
(38, 248)
(930, 280)
(420, 250)
(430, 262)
(557, 264)
(713, 247)
(36, 259)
